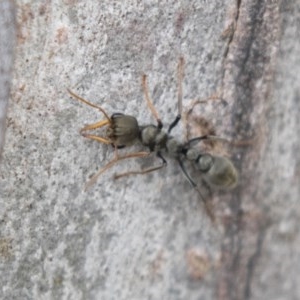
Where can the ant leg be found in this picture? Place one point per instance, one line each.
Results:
(149, 102)
(145, 171)
(205, 137)
(243, 143)
(190, 180)
(188, 112)
(188, 177)
(209, 210)
(207, 204)
(174, 123)
(111, 163)
(179, 96)
(196, 102)
(90, 104)
(180, 75)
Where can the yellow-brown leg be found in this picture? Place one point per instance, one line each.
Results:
(144, 171)
(179, 95)
(141, 172)
(111, 163)
(188, 112)
(180, 74)
(149, 101)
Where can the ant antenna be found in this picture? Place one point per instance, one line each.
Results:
(95, 125)
(180, 74)
(90, 104)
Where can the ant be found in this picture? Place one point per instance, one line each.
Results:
(124, 131)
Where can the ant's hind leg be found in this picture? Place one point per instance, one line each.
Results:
(144, 171)
(207, 203)
(188, 112)
(113, 162)
(205, 137)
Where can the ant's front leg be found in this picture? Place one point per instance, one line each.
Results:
(144, 171)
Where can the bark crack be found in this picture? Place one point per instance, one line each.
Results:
(253, 262)
(247, 62)
(229, 34)
(230, 31)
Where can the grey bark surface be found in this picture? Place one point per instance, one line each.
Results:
(7, 45)
(149, 237)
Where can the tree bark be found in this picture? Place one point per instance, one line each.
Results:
(7, 43)
(149, 237)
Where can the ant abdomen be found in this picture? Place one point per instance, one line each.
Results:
(217, 171)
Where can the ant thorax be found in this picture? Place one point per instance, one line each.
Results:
(173, 147)
(153, 137)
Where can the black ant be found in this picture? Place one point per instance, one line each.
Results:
(124, 130)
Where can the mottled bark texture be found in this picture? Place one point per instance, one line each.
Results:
(260, 78)
(7, 43)
(149, 237)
